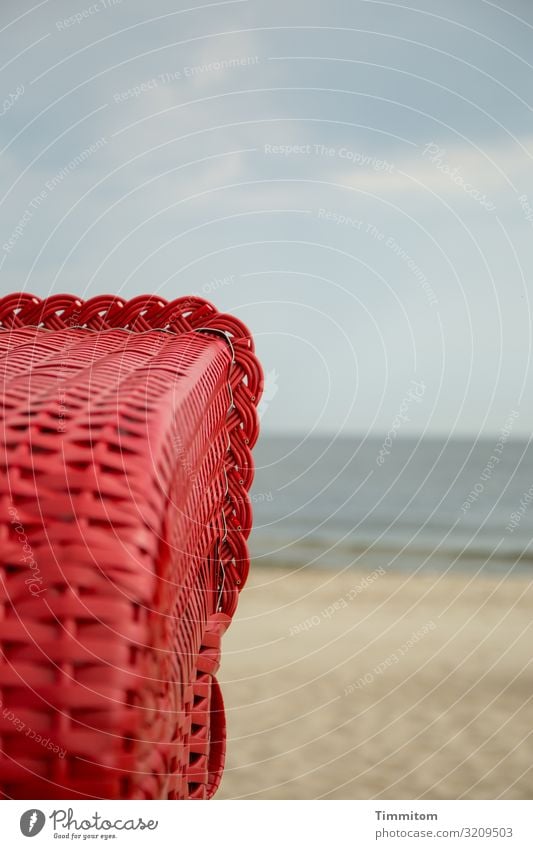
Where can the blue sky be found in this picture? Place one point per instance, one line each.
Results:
(353, 179)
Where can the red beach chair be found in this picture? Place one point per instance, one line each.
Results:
(124, 513)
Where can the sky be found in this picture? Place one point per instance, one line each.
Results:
(353, 179)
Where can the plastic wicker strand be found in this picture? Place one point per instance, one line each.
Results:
(124, 512)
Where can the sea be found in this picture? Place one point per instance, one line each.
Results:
(415, 504)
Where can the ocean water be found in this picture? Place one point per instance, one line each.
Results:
(429, 504)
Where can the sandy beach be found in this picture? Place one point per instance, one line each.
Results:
(364, 685)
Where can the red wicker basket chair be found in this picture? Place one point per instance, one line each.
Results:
(124, 512)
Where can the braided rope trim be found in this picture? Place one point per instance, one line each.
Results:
(245, 380)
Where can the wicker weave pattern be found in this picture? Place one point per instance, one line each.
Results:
(125, 466)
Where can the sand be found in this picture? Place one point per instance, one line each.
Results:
(393, 687)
